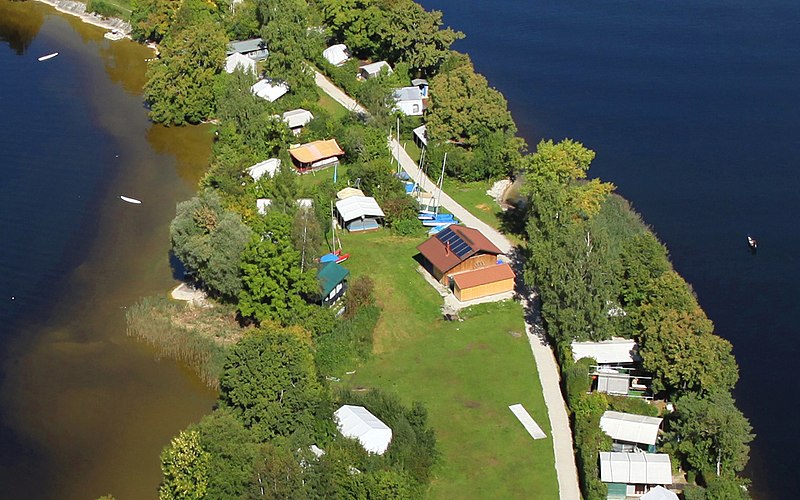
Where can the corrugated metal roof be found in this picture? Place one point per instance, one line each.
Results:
(635, 468)
(297, 118)
(408, 94)
(607, 351)
(358, 423)
(245, 46)
(630, 428)
(265, 167)
(358, 207)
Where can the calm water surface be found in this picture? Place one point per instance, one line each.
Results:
(692, 108)
(84, 411)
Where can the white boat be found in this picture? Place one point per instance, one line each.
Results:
(752, 242)
(48, 56)
(130, 200)
(114, 34)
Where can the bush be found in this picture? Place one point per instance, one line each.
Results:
(106, 9)
(632, 405)
(348, 343)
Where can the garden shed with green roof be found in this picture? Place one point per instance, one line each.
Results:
(333, 282)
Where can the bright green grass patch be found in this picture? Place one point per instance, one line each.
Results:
(315, 178)
(473, 197)
(327, 103)
(466, 372)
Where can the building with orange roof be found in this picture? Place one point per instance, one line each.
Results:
(316, 155)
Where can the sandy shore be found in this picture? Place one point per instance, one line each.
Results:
(78, 9)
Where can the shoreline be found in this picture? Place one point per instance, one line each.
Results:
(78, 9)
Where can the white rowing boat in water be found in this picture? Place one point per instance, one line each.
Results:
(130, 200)
(48, 56)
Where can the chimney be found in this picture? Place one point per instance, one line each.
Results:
(447, 248)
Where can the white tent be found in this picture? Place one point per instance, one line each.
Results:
(635, 468)
(659, 493)
(237, 60)
(358, 423)
(421, 134)
(630, 428)
(607, 352)
(297, 118)
(268, 90)
(268, 167)
(358, 207)
(336, 54)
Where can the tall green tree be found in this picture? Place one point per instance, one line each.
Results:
(180, 83)
(209, 241)
(709, 433)
(152, 19)
(464, 108)
(307, 237)
(274, 286)
(270, 383)
(185, 465)
(290, 43)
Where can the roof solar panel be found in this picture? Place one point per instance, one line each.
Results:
(457, 244)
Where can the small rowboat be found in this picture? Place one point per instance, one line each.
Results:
(130, 200)
(48, 56)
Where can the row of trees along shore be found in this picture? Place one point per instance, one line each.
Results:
(587, 252)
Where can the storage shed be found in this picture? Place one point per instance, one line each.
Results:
(237, 60)
(296, 119)
(617, 351)
(372, 70)
(359, 213)
(255, 48)
(316, 155)
(629, 428)
(483, 282)
(358, 423)
(638, 472)
(269, 90)
(408, 100)
(268, 167)
(332, 281)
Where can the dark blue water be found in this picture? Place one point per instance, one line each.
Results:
(692, 108)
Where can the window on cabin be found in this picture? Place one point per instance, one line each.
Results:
(415, 108)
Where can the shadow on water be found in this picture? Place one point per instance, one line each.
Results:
(20, 25)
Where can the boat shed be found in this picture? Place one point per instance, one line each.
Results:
(316, 155)
(255, 48)
(629, 428)
(457, 249)
(269, 167)
(357, 422)
(237, 60)
(633, 474)
(607, 352)
(269, 90)
(372, 70)
(336, 54)
(359, 213)
(296, 119)
(490, 280)
(332, 281)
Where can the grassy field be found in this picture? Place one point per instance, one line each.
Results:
(336, 110)
(467, 373)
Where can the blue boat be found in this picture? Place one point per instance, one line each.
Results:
(440, 220)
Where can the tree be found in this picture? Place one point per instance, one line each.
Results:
(209, 240)
(152, 19)
(274, 285)
(180, 83)
(709, 433)
(682, 353)
(233, 454)
(284, 31)
(184, 464)
(269, 382)
(278, 474)
(464, 108)
(307, 237)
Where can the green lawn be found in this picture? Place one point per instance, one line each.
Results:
(467, 373)
(336, 110)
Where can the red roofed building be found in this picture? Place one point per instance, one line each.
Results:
(455, 250)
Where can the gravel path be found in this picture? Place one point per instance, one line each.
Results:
(337, 94)
(546, 363)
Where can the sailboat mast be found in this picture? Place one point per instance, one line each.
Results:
(441, 182)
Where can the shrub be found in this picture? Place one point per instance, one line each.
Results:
(632, 405)
(348, 343)
(106, 9)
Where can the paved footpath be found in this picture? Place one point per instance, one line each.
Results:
(546, 364)
(566, 470)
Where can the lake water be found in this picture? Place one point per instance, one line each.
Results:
(692, 108)
(84, 411)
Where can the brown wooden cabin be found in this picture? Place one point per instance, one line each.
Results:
(455, 250)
